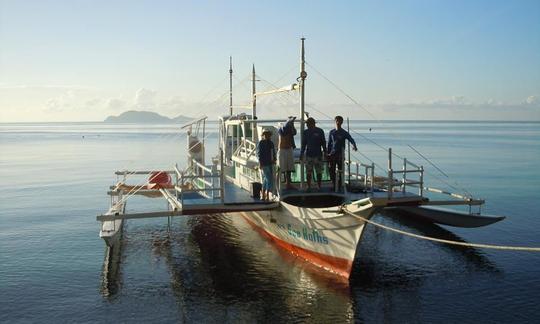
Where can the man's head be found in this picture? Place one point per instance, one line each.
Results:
(266, 134)
(339, 121)
(310, 122)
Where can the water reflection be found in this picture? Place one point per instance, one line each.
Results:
(222, 266)
(219, 267)
(111, 276)
(471, 255)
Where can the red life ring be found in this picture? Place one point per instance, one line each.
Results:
(159, 179)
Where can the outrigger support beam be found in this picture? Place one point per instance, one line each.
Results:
(139, 215)
(472, 202)
(173, 202)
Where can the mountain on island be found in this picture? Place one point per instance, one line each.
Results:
(134, 116)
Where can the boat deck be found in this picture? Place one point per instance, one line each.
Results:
(237, 199)
(234, 195)
(398, 197)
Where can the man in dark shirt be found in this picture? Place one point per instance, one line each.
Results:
(266, 153)
(312, 142)
(336, 146)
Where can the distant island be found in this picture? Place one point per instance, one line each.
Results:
(134, 116)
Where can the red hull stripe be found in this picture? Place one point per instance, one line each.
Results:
(339, 266)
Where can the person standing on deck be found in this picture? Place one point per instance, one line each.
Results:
(336, 146)
(286, 147)
(266, 153)
(312, 142)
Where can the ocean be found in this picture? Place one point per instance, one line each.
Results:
(217, 269)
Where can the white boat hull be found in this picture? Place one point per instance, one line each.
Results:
(112, 230)
(321, 236)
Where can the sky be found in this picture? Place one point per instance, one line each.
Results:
(376, 60)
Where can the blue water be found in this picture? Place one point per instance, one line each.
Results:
(54, 183)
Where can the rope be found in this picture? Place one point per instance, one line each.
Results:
(457, 187)
(428, 238)
(425, 158)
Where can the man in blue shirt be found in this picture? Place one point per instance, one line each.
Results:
(266, 153)
(336, 147)
(312, 143)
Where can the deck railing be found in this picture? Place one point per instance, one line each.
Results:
(201, 179)
(408, 168)
(246, 149)
(352, 172)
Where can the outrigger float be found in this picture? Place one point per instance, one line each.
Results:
(323, 227)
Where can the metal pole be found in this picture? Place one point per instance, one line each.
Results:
(365, 175)
(238, 129)
(403, 186)
(253, 105)
(230, 86)
(372, 175)
(203, 147)
(176, 180)
(222, 177)
(182, 188)
(390, 174)
(349, 153)
(342, 172)
(421, 187)
(303, 76)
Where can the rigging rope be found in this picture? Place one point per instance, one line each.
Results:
(425, 158)
(457, 187)
(434, 239)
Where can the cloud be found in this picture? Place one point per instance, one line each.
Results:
(60, 103)
(96, 102)
(145, 99)
(460, 103)
(44, 87)
(532, 100)
(115, 104)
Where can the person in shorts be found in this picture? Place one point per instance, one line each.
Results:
(266, 153)
(286, 149)
(314, 146)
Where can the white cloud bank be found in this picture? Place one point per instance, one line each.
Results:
(73, 103)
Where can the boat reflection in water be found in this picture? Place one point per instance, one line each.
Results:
(219, 267)
(223, 267)
(111, 276)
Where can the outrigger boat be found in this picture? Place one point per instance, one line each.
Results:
(322, 227)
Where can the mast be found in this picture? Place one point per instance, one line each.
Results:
(230, 86)
(303, 76)
(253, 105)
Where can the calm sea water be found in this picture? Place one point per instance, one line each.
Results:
(216, 269)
